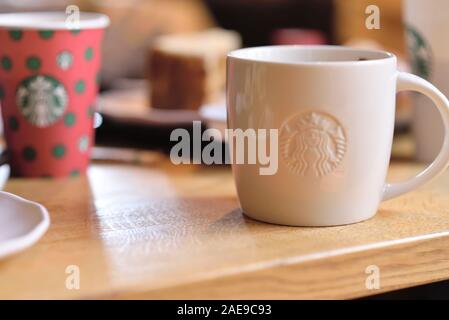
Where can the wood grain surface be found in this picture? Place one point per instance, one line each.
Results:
(164, 231)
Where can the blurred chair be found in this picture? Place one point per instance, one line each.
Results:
(257, 19)
(350, 19)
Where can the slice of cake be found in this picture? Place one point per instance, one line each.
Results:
(189, 70)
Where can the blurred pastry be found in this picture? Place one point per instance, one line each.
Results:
(136, 23)
(189, 70)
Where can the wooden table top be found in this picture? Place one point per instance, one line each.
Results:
(164, 231)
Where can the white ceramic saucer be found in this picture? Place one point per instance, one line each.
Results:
(22, 223)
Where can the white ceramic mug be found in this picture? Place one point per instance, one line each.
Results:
(334, 109)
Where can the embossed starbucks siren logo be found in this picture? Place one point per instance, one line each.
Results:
(312, 143)
(42, 100)
(420, 52)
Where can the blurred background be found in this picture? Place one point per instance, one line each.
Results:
(164, 60)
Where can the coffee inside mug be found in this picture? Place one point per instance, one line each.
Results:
(308, 54)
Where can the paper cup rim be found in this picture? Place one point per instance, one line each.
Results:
(52, 20)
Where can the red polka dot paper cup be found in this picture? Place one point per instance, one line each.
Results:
(49, 73)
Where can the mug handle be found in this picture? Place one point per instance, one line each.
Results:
(407, 81)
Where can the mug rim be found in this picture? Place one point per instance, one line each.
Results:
(246, 54)
(52, 20)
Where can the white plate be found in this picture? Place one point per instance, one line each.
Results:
(215, 117)
(214, 112)
(22, 223)
(131, 106)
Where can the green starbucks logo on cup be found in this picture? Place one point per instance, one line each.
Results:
(42, 100)
(419, 51)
